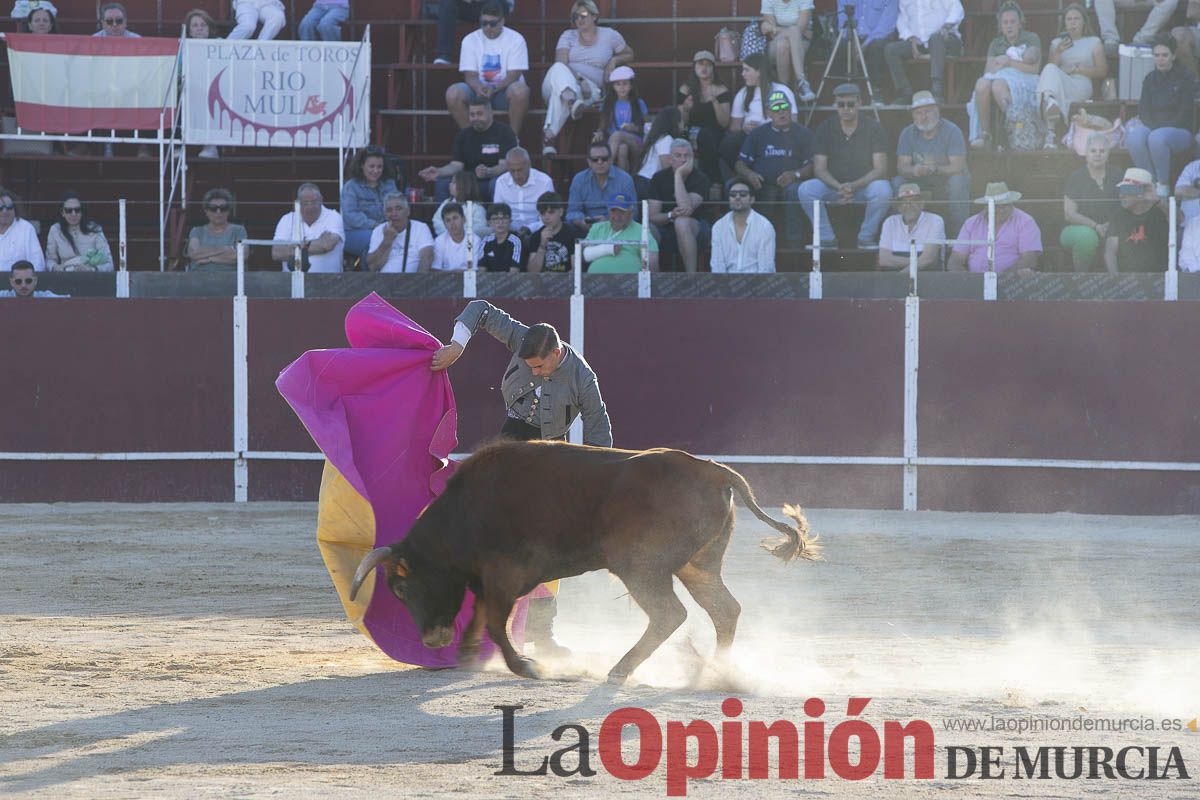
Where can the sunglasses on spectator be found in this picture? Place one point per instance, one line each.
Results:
(847, 103)
(739, 193)
(215, 208)
(72, 210)
(781, 107)
(7, 207)
(581, 15)
(114, 20)
(490, 23)
(22, 281)
(598, 159)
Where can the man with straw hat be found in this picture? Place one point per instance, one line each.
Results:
(1018, 240)
(915, 224)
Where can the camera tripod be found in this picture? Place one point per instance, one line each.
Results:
(855, 60)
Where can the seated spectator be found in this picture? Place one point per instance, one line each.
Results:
(464, 190)
(1138, 232)
(924, 29)
(620, 225)
(400, 244)
(776, 158)
(749, 108)
(250, 13)
(704, 102)
(743, 240)
(932, 153)
(583, 59)
(519, 188)
(622, 118)
(23, 280)
(849, 163)
(1076, 59)
(319, 230)
(324, 21)
(478, 148)
(785, 23)
(371, 177)
(1160, 12)
(18, 237)
(1187, 191)
(1187, 38)
(501, 249)
(912, 224)
(451, 249)
(656, 151)
(197, 24)
(449, 13)
(493, 63)
(1189, 247)
(1089, 200)
(553, 246)
(1018, 239)
(36, 16)
(591, 189)
(1010, 77)
(213, 247)
(76, 243)
(875, 21)
(676, 205)
(114, 21)
(1165, 111)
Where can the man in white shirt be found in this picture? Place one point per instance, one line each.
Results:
(925, 29)
(493, 62)
(912, 224)
(1187, 192)
(743, 240)
(18, 238)
(520, 188)
(400, 244)
(451, 250)
(321, 234)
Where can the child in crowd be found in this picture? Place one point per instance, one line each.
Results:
(501, 250)
(622, 119)
(450, 249)
(553, 245)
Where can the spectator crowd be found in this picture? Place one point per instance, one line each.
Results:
(731, 175)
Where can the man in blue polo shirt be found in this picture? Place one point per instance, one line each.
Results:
(775, 158)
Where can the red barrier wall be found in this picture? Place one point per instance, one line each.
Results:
(1088, 380)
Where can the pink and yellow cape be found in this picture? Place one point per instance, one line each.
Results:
(387, 426)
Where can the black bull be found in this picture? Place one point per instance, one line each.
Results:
(517, 514)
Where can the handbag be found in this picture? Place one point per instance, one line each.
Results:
(753, 41)
(725, 45)
(1023, 124)
(1082, 127)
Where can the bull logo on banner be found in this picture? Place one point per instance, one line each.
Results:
(282, 94)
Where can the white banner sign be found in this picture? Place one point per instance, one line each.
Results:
(276, 94)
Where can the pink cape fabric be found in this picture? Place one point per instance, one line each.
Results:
(388, 425)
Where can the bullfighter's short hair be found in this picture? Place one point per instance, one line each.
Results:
(539, 341)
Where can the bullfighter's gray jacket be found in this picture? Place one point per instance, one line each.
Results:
(568, 392)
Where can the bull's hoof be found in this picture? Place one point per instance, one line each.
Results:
(618, 678)
(468, 658)
(526, 668)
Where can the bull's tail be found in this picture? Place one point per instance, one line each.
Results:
(800, 542)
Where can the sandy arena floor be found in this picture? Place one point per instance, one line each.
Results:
(200, 650)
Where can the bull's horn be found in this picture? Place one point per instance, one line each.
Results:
(370, 561)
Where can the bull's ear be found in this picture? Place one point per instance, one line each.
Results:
(401, 568)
